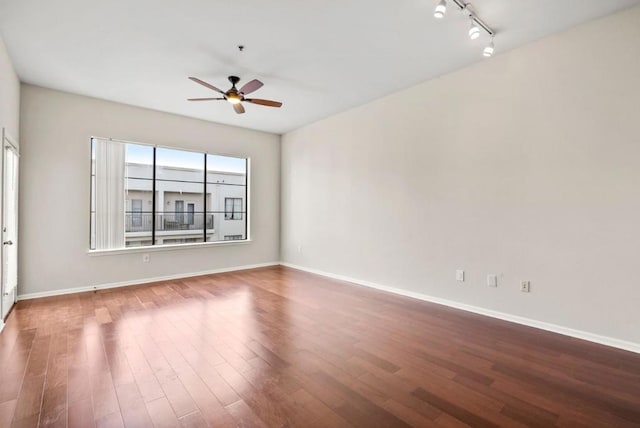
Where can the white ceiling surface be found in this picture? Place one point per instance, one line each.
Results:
(317, 57)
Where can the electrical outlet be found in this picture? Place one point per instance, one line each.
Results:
(145, 258)
(525, 286)
(492, 280)
(299, 249)
(460, 275)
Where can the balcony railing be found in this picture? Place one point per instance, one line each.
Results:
(143, 222)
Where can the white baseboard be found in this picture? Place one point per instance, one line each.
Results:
(139, 281)
(579, 334)
(1, 326)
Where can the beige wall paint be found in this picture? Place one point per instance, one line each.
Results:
(526, 165)
(9, 94)
(54, 220)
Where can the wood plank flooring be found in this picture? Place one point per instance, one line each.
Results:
(277, 347)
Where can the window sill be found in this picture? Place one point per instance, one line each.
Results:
(169, 247)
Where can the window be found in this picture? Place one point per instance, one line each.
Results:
(143, 195)
(233, 208)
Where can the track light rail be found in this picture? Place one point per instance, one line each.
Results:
(462, 5)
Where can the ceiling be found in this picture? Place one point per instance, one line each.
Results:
(317, 57)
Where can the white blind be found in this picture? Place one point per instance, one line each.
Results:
(109, 194)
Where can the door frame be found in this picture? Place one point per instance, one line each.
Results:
(7, 138)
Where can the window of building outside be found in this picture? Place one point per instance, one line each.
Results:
(232, 237)
(143, 195)
(233, 208)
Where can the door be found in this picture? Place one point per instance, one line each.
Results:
(136, 213)
(191, 212)
(9, 225)
(180, 212)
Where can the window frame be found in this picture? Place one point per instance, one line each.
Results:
(170, 247)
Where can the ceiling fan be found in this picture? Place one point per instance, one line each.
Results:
(236, 96)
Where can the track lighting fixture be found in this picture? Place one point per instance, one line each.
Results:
(488, 50)
(441, 9)
(474, 30)
(476, 24)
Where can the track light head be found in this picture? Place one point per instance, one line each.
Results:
(474, 30)
(488, 50)
(441, 9)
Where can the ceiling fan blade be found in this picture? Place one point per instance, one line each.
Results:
(203, 83)
(204, 99)
(268, 103)
(238, 108)
(252, 86)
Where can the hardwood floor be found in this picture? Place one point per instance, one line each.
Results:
(276, 347)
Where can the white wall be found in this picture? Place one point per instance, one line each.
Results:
(526, 165)
(9, 94)
(54, 208)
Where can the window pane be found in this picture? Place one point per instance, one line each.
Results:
(237, 208)
(138, 195)
(226, 196)
(228, 208)
(180, 205)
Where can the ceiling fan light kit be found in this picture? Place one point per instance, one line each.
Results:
(236, 96)
(476, 24)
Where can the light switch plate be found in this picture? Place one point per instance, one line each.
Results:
(459, 275)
